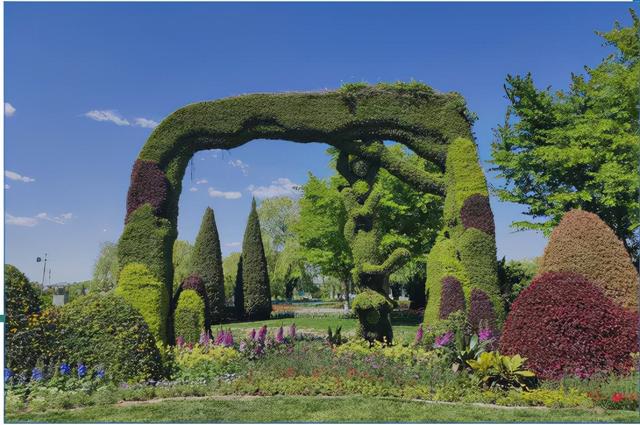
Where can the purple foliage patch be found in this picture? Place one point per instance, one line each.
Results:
(476, 212)
(481, 314)
(451, 297)
(149, 185)
(195, 283)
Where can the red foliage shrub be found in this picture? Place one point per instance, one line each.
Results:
(481, 313)
(565, 325)
(451, 297)
(476, 212)
(583, 243)
(194, 282)
(148, 185)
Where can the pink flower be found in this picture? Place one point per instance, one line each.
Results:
(204, 338)
(485, 334)
(180, 341)
(444, 339)
(280, 336)
(617, 397)
(219, 337)
(252, 334)
(419, 334)
(227, 341)
(262, 333)
(292, 331)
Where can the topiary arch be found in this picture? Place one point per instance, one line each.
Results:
(354, 119)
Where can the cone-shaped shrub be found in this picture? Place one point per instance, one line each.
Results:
(465, 248)
(452, 297)
(189, 316)
(255, 276)
(206, 263)
(238, 293)
(565, 325)
(583, 243)
(140, 288)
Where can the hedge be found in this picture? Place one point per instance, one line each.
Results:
(238, 293)
(104, 331)
(255, 276)
(564, 325)
(140, 288)
(583, 243)
(189, 316)
(206, 263)
(452, 297)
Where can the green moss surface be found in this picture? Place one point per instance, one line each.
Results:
(189, 316)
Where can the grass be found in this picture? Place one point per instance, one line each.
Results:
(319, 325)
(314, 409)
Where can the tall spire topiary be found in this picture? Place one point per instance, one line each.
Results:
(238, 293)
(255, 276)
(207, 265)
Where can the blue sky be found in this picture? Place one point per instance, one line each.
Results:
(87, 81)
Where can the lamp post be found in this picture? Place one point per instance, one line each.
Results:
(44, 267)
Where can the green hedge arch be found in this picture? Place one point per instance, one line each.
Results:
(350, 119)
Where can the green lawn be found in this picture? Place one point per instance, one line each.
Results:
(315, 409)
(319, 325)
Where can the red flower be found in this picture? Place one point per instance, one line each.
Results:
(617, 397)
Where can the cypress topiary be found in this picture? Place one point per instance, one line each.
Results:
(583, 243)
(140, 288)
(207, 264)
(255, 276)
(189, 316)
(238, 293)
(465, 248)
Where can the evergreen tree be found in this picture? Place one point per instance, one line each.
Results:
(255, 275)
(207, 264)
(238, 293)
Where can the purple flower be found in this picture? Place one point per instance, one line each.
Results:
(252, 334)
(444, 340)
(419, 334)
(100, 374)
(227, 341)
(280, 336)
(292, 331)
(205, 339)
(36, 374)
(219, 337)
(65, 369)
(485, 334)
(180, 341)
(243, 346)
(7, 374)
(82, 370)
(262, 333)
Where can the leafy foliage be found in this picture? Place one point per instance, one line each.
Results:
(577, 148)
(206, 263)
(142, 290)
(238, 293)
(476, 212)
(104, 330)
(149, 185)
(502, 372)
(514, 276)
(182, 252)
(452, 297)
(106, 268)
(565, 325)
(481, 313)
(582, 243)
(189, 315)
(255, 276)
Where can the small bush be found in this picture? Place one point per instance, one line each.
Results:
(565, 325)
(452, 297)
(104, 330)
(583, 243)
(142, 290)
(149, 185)
(189, 316)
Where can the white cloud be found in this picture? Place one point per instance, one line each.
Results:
(12, 175)
(193, 189)
(9, 110)
(145, 123)
(280, 187)
(233, 244)
(236, 163)
(20, 221)
(60, 219)
(226, 195)
(202, 181)
(107, 115)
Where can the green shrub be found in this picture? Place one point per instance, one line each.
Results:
(104, 330)
(238, 293)
(255, 275)
(23, 334)
(140, 288)
(189, 316)
(206, 262)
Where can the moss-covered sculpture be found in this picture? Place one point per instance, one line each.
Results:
(206, 263)
(465, 249)
(352, 119)
(189, 317)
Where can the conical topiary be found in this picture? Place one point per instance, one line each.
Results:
(238, 293)
(582, 243)
(255, 277)
(207, 264)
